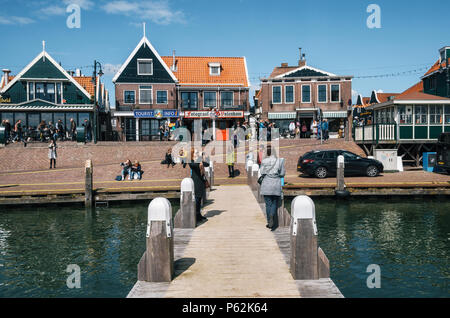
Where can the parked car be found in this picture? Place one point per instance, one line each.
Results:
(322, 164)
(443, 152)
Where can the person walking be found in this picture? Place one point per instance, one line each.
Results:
(272, 170)
(73, 129)
(304, 130)
(19, 132)
(231, 159)
(52, 153)
(87, 130)
(325, 129)
(7, 130)
(198, 176)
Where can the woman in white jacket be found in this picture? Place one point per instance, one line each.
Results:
(52, 153)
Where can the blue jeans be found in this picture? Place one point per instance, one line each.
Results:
(133, 173)
(125, 172)
(271, 209)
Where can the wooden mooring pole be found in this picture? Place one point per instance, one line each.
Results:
(156, 265)
(308, 261)
(88, 180)
(185, 217)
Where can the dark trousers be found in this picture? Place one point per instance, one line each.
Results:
(198, 206)
(54, 163)
(231, 170)
(272, 202)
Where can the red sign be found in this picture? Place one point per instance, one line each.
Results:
(219, 114)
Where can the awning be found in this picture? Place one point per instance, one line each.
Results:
(283, 115)
(336, 114)
(306, 115)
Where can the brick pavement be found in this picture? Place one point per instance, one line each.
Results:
(26, 169)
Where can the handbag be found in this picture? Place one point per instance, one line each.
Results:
(207, 185)
(260, 179)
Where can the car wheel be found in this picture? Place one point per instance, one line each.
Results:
(372, 171)
(321, 172)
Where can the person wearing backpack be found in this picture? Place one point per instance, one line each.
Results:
(272, 171)
(304, 130)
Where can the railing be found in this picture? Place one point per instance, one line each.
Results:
(376, 133)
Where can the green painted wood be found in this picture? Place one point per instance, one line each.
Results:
(421, 132)
(446, 128)
(129, 74)
(406, 132)
(435, 131)
(43, 69)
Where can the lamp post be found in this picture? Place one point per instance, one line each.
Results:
(94, 79)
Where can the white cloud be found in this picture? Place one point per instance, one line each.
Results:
(354, 93)
(53, 10)
(158, 12)
(14, 20)
(110, 69)
(84, 4)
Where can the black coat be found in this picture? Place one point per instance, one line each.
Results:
(199, 183)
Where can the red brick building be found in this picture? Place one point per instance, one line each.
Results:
(296, 93)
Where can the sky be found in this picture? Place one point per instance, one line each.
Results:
(333, 34)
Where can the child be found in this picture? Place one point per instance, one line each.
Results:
(136, 170)
(52, 153)
(183, 156)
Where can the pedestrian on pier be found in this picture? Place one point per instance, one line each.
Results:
(272, 170)
(231, 159)
(52, 153)
(198, 176)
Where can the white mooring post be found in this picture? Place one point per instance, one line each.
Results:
(211, 170)
(248, 167)
(254, 177)
(308, 261)
(88, 185)
(340, 164)
(156, 265)
(185, 217)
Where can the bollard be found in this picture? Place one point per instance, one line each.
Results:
(340, 183)
(185, 217)
(248, 167)
(208, 177)
(284, 218)
(88, 184)
(259, 197)
(308, 262)
(156, 265)
(254, 178)
(211, 170)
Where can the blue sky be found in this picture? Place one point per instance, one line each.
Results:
(333, 34)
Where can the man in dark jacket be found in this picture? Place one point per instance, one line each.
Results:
(73, 128)
(87, 130)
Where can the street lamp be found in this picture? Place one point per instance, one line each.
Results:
(94, 79)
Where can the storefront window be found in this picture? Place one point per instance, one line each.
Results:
(421, 114)
(47, 117)
(405, 118)
(436, 114)
(8, 116)
(81, 118)
(68, 116)
(33, 120)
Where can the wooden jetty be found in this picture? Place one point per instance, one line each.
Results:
(233, 254)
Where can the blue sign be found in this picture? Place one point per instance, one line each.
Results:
(155, 113)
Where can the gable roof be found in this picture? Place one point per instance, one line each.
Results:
(44, 55)
(144, 41)
(86, 83)
(194, 70)
(378, 98)
(436, 66)
(304, 71)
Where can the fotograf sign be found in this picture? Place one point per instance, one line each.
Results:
(155, 113)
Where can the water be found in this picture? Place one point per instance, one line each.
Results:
(409, 241)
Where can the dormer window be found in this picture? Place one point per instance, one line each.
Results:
(145, 66)
(214, 69)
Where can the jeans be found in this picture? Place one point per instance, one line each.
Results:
(271, 209)
(133, 173)
(198, 206)
(125, 172)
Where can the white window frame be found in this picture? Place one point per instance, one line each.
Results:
(232, 100)
(293, 94)
(167, 96)
(281, 94)
(129, 90)
(310, 95)
(211, 66)
(326, 93)
(204, 106)
(331, 95)
(145, 60)
(151, 94)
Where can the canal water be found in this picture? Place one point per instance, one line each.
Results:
(408, 240)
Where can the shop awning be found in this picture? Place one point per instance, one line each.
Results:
(336, 114)
(283, 115)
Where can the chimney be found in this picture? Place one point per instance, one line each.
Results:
(78, 72)
(6, 75)
(302, 61)
(174, 66)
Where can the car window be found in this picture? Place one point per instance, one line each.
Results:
(319, 155)
(330, 155)
(349, 155)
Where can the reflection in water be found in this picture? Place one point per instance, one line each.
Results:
(409, 239)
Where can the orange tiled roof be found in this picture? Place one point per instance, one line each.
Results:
(436, 66)
(416, 88)
(383, 97)
(366, 100)
(195, 70)
(86, 83)
(281, 70)
(419, 96)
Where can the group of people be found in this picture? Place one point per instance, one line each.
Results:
(14, 134)
(132, 170)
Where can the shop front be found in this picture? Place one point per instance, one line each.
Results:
(282, 120)
(219, 121)
(337, 122)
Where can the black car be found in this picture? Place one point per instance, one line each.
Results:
(323, 164)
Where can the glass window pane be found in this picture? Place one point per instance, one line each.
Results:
(33, 120)
(145, 67)
(161, 97)
(30, 91)
(289, 98)
(322, 93)
(276, 94)
(50, 96)
(209, 99)
(58, 93)
(145, 94)
(9, 117)
(227, 99)
(421, 114)
(129, 97)
(40, 90)
(447, 114)
(47, 117)
(335, 93)
(306, 94)
(82, 117)
(189, 100)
